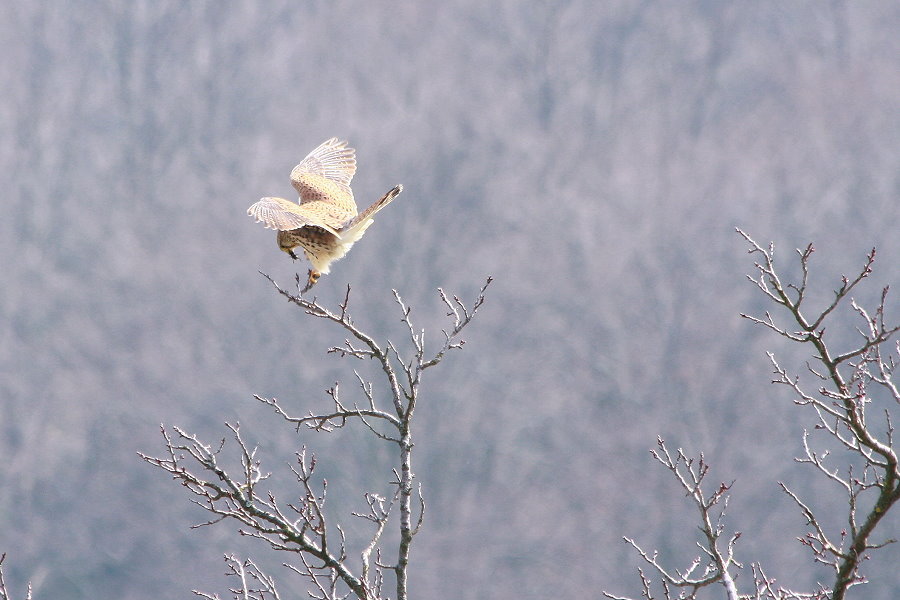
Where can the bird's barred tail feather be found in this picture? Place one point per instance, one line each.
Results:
(354, 230)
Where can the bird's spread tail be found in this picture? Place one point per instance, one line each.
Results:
(357, 227)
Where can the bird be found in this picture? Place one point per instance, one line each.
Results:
(325, 222)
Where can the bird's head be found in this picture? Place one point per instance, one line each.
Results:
(286, 244)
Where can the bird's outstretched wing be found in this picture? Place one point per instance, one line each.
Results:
(284, 215)
(331, 159)
(325, 175)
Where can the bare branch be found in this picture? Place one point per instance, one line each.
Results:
(715, 560)
(839, 399)
(302, 526)
(840, 405)
(4, 593)
(254, 583)
(332, 420)
(261, 516)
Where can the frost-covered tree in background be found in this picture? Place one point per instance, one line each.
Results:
(302, 526)
(852, 402)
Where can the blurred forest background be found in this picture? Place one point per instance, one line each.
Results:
(594, 158)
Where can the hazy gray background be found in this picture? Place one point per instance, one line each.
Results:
(593, 157)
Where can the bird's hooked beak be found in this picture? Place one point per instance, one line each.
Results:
(290, 252)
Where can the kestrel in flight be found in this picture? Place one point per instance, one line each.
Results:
(325, 222)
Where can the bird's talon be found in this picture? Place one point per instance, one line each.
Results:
(311, 280)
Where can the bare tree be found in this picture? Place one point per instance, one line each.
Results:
(4, 593)
(851, 397)
(302, 526)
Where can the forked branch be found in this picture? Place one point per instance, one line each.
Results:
(713, 564)
(302, 526)
(841, 401)
(841, 404)
(4, 593)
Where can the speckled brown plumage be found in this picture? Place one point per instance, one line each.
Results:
(324, 222)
